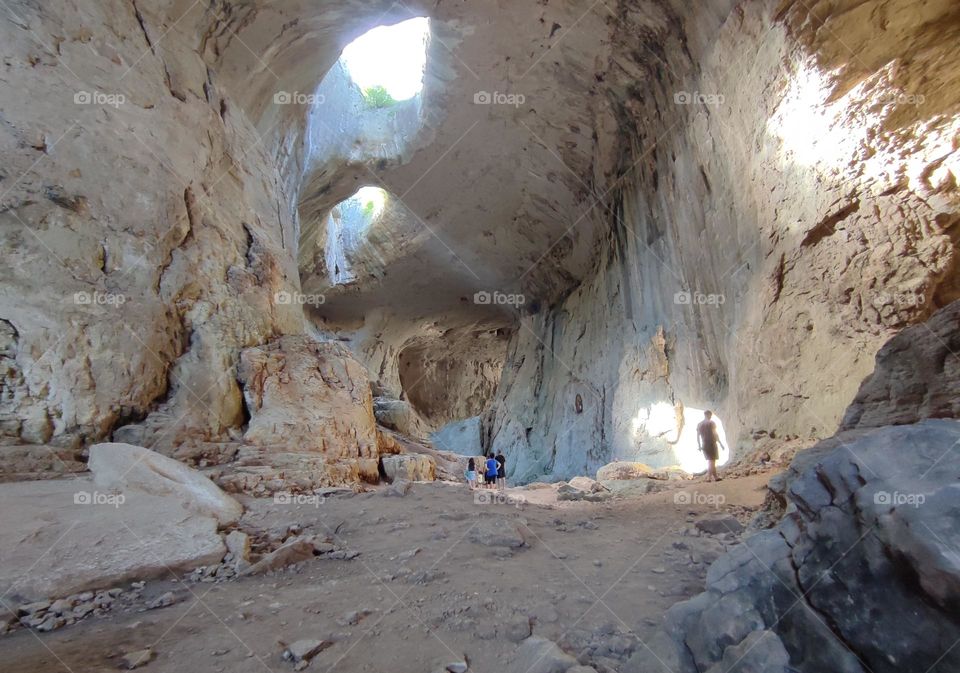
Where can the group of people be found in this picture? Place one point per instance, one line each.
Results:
(493, 474)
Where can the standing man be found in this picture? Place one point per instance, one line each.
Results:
(708, 440)
(491, 475)
(501, 470)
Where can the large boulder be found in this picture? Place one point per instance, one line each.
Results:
(621, 470)
(398, 415)
(310, 397)
(124, 468)
(408, 467)
(861, 574)
(66, 536)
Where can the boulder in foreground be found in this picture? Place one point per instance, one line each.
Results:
(122, 468)
(66, 536)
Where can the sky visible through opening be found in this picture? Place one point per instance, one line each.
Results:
(390, 56)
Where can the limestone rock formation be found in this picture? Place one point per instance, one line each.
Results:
(408, 467)
(917, 376)
(464, 437)
(122, 468)
(623, 470)
(309, 397)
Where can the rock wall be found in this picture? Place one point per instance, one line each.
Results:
(146, 226)
(784, 201)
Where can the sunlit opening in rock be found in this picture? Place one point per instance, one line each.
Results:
(389, 60)
(347, 225)
(662, 420)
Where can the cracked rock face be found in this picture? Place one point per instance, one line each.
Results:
(861, 565)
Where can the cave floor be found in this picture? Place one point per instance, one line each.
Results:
(594, 577)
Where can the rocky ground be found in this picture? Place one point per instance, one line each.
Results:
(442, 578)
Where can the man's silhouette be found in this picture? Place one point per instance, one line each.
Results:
(708, 439)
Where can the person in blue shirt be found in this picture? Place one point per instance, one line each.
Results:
(491, 474)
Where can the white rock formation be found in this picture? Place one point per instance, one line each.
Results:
(126, 469)
(67, 536)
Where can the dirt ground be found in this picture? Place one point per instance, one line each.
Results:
(440, 578)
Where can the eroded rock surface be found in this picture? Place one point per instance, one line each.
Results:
(917, 376)
(865, 542)
(309, 397)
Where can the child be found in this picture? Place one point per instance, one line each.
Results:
(471, 474)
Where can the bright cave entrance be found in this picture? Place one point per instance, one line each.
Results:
(387, 62)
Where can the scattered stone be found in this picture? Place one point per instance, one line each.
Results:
(162, 601)
(50, 623)
(539, 655)
(353, 617)
(623, 470)
(496, 532)
(397, 489)
(31, 608)
(295, 551)
(407, 555)
(133, 660)
(61, 606)
(517, 630)
(719, 525)
(458, 666)
(302, 651)
(238, 544)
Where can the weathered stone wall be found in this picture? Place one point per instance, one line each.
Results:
(144, 224)
(803, 183)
